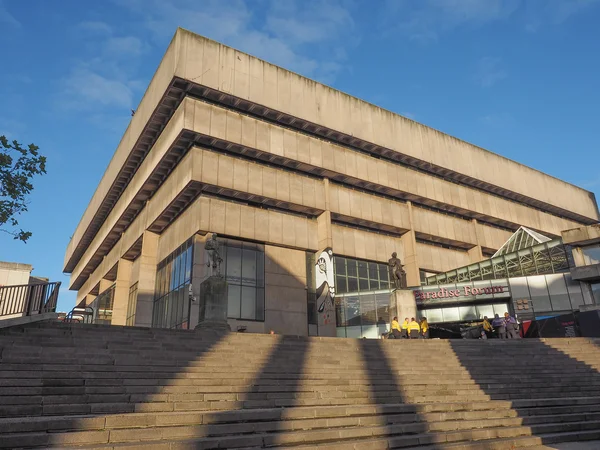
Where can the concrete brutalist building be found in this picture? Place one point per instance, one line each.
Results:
(287, 171)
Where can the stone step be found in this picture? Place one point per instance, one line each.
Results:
(269, 434)
(383, 437)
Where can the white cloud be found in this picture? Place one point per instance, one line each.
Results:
(87, 90)
(497, 120)
(11, 128)
(308, 37)
(125, 46)
(489, 71)
(427, 20)
(95, 27)
(7, 18)
(105, 83)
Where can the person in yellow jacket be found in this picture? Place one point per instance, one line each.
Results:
(414, 328)
(405, 328)
(487, 327)
(396, 331)
(424, 328)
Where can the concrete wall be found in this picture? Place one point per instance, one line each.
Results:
(225, 69)
(14, 274)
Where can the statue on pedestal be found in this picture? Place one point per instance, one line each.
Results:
(215, 260)
(397, 273)
(212, 309)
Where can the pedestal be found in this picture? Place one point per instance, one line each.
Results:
(403, 304)
(213, 304)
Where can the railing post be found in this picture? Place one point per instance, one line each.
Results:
(29, 296)
(43, 298)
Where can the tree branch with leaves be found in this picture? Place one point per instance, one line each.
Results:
(18, 166)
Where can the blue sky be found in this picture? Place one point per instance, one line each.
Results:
(518, 77)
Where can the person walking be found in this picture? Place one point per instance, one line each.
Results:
(424, 328)
(500, 325)
(512, 327)
(414, 329)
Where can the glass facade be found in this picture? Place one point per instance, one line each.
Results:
(362, 297)
(591, 254)
(595, 287)
(244, 268)
(171, 293)
(103, 306)
(131, 305)
(363, 314)
(463, 313)
(355, 275)
(549, 257)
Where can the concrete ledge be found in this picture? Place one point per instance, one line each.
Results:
(582, 236)
(15, 321)
(586, 273)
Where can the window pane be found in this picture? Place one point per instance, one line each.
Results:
(485, 311)
(340, 313)
(450, 314)
(340, 284)
(363, 284)
(183, 307)
(591, 254)
(182, 267)
(363, 269)
(234, 265)
(233, 301)
(368, 309)
(248, 302)
(249, 267)
(260, 268)
(189, 262)
(352, 285)
(467, 312)
(352, 311)
(351, 267)
(260, 304)
(373, 284)
(373, 271)
(384, 272)
(340, 265)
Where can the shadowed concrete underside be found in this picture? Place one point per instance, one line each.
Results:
(77, 386)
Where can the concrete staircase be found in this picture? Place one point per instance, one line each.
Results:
(87, 386)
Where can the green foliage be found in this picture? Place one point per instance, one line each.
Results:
(18, 165)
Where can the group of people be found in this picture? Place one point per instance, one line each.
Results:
(410, 329)
(505, 327)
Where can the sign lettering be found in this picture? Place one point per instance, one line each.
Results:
(465, 291)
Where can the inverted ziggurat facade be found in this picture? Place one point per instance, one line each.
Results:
(283, 168)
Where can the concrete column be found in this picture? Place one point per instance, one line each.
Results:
(200, 272)
(409, 245)
(324, 222)
(147, 277)
(121, 298)
(89, 299)
(475, 254)
(104, 285)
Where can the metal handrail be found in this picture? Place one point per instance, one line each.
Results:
(29, 299)
(80, 315)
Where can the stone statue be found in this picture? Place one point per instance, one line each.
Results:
(397, 273)
(215, 260)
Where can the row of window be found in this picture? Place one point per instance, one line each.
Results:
(171, 298)
(353, 275)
